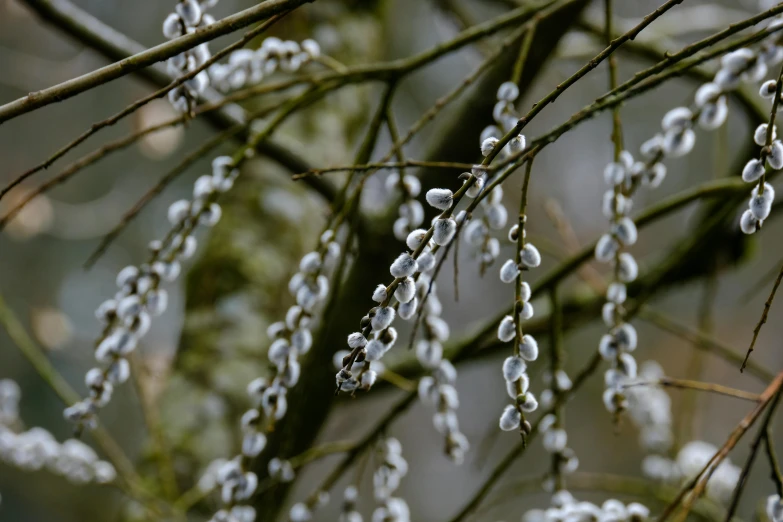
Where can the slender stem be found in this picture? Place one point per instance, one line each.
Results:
(763, 318)
(687, 384)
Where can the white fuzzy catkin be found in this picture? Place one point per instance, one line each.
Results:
(441, 199)
(404, 266)
(507, 329)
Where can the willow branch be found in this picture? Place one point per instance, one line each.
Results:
(159, 53)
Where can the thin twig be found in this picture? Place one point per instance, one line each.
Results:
(763, 318)
(687, 384)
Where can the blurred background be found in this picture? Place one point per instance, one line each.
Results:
(199, 356)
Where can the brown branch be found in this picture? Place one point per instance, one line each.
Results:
(687, 384)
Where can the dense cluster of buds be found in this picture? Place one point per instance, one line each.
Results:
(36, 448)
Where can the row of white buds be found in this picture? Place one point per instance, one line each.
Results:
(621, 338)
(128, 315)
(376, 335)
(188, 16)
(690, 461)
(438, 389)
(247, 67)
(290, 339)
(564, 507)
(770, 157)
(37, 449)
(386, 480)
(410, 211)
(710, 111)
(511, 329)
(495, 216)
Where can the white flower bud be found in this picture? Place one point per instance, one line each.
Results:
(415, 238)
(707, 93)
(652, 147)
(379, 295)
(748, 222)
(357, 340)
(190, 11)
(171, 26)
(628, 269)
(507, 330)
(118, 371)
(738, 60)
(426, 262)
(655, 176)
(475, 188)
(497, 216)
(555, 440)
(510, 419)
(606, 248)
(529, 404)
(429, 353)
(528, 348)
(441, 199)
(768, 89)
(521, 385)
(178, 211)
(310, 263)
(760, 134)
(775, 157)
(443, 231)
(302, 340)
(625, 231)
(406, 290)
(678, 118)
(253, 444)
(211, 215)
(403, 266)
(727, 80)
(383, 318)
(513, 368)
(375, 350)
(774, 508)
(526, 312)
(529, 256)
(678, 142)
(488, 145)
(509, 271)
(752, 171)
(714, 115)
(517, 144)
(614, 174)
(407, 310)
(475, 232)
(616, 293)
(761, 205)
(524, 291)
(508, 91)
(626, 336)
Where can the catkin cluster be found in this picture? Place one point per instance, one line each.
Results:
(127, 317)
(35, 448)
